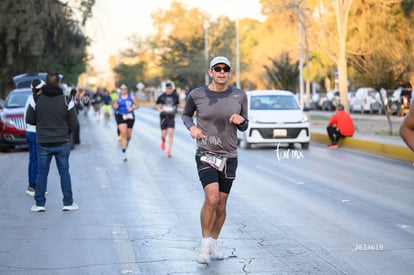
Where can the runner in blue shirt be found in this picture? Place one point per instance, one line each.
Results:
(125, 117)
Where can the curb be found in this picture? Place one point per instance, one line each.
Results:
(387, 150)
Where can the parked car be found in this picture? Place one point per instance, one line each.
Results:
(275, 116)
(315, 101)
(12, 124)
(366, 100)
(399, 101)
(24, 80)
(330, 102)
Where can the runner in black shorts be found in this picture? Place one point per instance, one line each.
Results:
(220, 111)
(125, 105)
(167, 104)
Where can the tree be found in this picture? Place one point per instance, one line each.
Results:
(329, 28)
(129, 74)
(283, 74)
(39, 36)
(180, 44)
(278, 35)
(388, 63)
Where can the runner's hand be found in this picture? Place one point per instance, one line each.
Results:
(196, 133)
(236, 119)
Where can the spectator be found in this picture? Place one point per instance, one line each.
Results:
(36, 86)
(54, 115)
(78, 107)
(340, 125)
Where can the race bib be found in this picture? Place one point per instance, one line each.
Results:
(127, 116)
(168, 109)
(216, 162)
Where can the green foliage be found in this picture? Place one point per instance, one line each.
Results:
(378, 62)
(179, 44)
(377, 43)
(129, 74)
(41, 35)
(283, 74)
(407, 7)
(182, 62)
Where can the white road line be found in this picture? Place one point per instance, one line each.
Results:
(124, 250)
(287, 178)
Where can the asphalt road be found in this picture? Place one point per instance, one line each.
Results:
(290, 212)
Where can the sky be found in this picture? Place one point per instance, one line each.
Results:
(114, 21)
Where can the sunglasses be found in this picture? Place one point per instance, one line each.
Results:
(218, 69)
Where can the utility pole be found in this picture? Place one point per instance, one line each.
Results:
(301, 86)
(237, 54)
(206, 25)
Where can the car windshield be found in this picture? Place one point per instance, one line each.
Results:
(372, 93)
(273, 102)
(17, 99)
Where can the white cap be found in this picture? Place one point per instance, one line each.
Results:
(38, 86)
(219, 60)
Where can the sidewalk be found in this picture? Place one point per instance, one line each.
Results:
(388, 146)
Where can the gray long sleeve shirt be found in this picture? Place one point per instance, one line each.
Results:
(213, 111)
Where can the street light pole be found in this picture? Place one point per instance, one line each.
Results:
(237, 54)
(206, 25)
(301, 87)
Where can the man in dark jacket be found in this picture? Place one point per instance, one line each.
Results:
(54, 115)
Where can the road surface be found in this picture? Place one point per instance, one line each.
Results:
(290, 212)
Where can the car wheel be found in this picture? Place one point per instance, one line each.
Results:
(245, 145)
(305, 145)
(4, 149)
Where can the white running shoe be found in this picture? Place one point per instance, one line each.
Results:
(204, 256)
(30, 191)
(36, 208)
(72, 207)
(215, 252)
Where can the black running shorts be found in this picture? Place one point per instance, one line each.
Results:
(225, 178)
(167, 122)
(119, 120)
